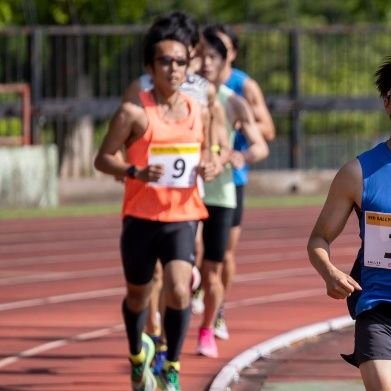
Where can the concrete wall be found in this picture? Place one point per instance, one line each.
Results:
(285, 182)
(103, 188)
(28, 176)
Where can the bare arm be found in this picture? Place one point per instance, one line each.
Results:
(127, 124)
(258, 149)
(131, 92)
(120, 129)
(344, 193)
(220, 132)
(254, 96)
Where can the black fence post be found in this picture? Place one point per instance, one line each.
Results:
(294, 115)
(36, 70)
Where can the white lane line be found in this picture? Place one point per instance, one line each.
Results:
(62, 298)
(59, 259)
(231, 372)
(292, 255)
(288, 242)
(56, 276)
(273, 298)
(60, 343)
(87, 295)
(104, 332)
(273, 274)
(113, 271)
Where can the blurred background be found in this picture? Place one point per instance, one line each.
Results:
(65, 64)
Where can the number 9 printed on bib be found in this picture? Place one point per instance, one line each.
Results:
(180, 163)
(377, 241)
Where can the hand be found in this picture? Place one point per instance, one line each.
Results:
(151, 173)
(218, 167)
(237, 159)
(340, 285)
(207, 171)
(119, 178)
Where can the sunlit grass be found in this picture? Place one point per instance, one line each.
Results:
(62, 211)
(284, 201)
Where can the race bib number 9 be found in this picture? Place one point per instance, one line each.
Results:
(377, 240)
(180, 163)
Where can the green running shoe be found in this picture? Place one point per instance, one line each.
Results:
(142, 376)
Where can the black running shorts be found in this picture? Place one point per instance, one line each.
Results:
(215, 233)
(144, 241)
(372, 336)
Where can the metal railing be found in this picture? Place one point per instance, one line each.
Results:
(318, 82)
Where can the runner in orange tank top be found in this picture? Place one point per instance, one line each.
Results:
(163, 138)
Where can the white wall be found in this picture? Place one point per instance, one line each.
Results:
(28, 176)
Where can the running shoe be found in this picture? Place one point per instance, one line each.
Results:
(142, 377)
(197, 302)
(168, 379)
(220, 329)
(207, 343)
(160, 358)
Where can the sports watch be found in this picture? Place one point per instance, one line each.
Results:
(131, 172)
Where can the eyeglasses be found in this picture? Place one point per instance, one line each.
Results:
(168, 61)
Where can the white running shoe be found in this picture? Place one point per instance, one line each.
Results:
(220, 329)
(197, 302)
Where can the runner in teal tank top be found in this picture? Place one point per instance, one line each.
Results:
(243, 85)
(220, 197)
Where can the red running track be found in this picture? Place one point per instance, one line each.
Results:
(61, 287)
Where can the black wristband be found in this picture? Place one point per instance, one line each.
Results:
(131, 172)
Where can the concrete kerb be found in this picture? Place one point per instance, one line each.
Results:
(231, 372)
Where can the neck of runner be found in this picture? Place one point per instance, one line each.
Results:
(225, 73)
(167, 102)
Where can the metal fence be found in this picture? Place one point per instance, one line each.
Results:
(318, 83)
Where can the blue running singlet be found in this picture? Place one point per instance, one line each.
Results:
(372, 268)
(236, 83)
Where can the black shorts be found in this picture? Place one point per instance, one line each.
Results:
(372, 336)
(238, 214)
(215, 233)
(144, 241)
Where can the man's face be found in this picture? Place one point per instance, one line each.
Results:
(212, 63)
(169, 66)
(231, 52)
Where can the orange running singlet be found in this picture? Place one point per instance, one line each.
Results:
(176, 144)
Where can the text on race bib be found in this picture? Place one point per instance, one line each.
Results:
(180, 163)
(377, 240)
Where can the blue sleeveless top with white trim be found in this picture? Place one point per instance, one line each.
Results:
(372, 268)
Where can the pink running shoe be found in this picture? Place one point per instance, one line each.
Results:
(207, 343)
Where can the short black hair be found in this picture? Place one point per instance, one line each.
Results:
(383, 77)
(226, 30)
(187, 22)
(214, 40)
(164, 28)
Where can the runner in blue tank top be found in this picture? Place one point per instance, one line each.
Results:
(249, 89)
(363, 185)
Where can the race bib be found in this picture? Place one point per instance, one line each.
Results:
(377, 240)
(180, 163)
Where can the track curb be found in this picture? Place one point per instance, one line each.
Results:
(231, 372)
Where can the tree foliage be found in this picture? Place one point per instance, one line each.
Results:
(276, 12)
